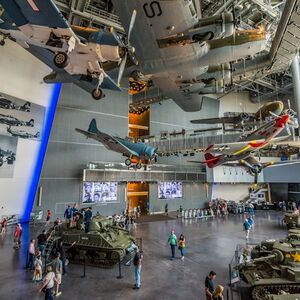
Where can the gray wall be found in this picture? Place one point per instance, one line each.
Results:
(194, 196)
(69, 152)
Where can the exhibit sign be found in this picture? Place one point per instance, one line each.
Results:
(170, 190)
(99, 192)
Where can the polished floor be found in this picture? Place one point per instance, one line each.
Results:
(210, 246)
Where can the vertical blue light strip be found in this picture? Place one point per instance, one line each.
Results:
(49, 118)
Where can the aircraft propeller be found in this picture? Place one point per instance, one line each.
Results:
(129, 50)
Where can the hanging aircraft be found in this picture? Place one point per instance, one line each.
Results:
(13, 121)
(23, 134)
(136, 152)
(40, 23)
(8, 104)
(7, 156)
(240, 120)
(186, 57)
(242, 152)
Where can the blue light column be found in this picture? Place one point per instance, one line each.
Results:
(49, 118)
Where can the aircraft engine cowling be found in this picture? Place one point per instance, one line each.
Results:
(150, 152)
(110, 53)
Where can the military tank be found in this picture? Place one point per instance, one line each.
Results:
(103, 246)
(285, 297)
(276, 271)
(292, 220)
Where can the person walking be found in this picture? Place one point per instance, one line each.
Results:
(3, 225)
(74, 214)
(48, 217)
(38, 268)
(181, 245)
(57, 269)
(137, 262)
(218, 294)
(166, 209)
(68, 215)
(41, 242)
(209, 285)
(30, 257)
(247, 227)
(48, 284)
(17, 234)
(60, 249)
(172, 241)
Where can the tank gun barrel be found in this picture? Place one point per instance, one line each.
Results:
(264, 258)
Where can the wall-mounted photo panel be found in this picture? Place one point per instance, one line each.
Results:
(21, 119)
(99, 192)
(170, 190)
(8, 150)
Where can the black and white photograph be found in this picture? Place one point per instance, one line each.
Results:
(21, 119)
(170, 190)
(99, 192)
(8, 150)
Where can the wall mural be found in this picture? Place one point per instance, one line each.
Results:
(19, 119)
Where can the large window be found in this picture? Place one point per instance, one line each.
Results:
(170, 190)
(99, 192)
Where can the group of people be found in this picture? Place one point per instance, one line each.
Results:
(54, 270)
(211, 292)
(173, 242)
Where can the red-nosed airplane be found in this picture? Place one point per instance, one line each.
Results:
(241, 153)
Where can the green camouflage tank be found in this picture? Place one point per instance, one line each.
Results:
(292, 220)
(274, 268)
(103, 245)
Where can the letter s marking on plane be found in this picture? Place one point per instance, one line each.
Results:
(154, 5)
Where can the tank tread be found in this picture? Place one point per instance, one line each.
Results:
(262, 292)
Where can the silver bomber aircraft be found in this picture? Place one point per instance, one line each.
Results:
(185, 57)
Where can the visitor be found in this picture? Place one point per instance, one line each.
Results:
(38, 268)
(133, 221)
(218, 294)
(57, 221)
(137, 262)
(57, 269)
(30, 256)
(135, 211)
(3, 225)
(41, 242)
(181, 245)
(68, 215)
(87, 219)
(17, 236)
(48, 284)
(251, 222)
(60, 249)
(127, 223)
(172, 241)
(48, 217)
(209, 285)
(74, 214)
(166, 209)
(139, 210)
(247, 227)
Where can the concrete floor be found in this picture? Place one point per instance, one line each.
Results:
(210, 246)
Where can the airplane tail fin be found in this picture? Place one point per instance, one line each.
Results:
(211, 160)
(93, 127)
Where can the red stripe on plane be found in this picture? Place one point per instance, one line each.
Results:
(33, 5)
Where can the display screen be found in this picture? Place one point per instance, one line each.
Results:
(170, 190)
(99, 192)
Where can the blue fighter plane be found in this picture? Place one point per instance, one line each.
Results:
(133, 151)
(39, 23)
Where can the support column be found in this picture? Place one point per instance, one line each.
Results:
(296, 83)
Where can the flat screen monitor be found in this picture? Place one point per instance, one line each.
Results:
(170, 190)
(99, 192)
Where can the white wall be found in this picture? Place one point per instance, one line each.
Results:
(21, 76)
(235, 192)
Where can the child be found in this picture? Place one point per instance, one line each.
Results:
(38, 273)
(181, 245)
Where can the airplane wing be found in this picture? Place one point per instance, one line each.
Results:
(110, 142)
(228, 148)
(155, 21)
(35, 12)
(223, 120)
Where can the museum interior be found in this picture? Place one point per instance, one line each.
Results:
(150, 149)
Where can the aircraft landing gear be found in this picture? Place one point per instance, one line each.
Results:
(97, 94)
(127, 162)
(138, 166)
(61, 60)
